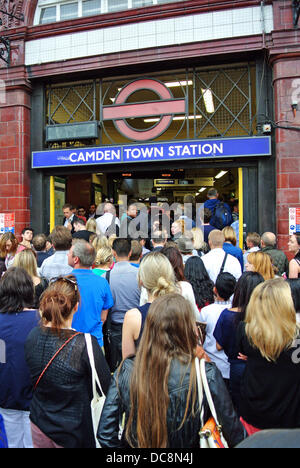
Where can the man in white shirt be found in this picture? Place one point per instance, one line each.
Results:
(223, 290)
(213, 260)
(104, 221)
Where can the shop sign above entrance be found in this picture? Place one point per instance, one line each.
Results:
(156, 152)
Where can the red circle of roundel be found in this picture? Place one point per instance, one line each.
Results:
(165, 108)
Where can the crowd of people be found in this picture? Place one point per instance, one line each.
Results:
(152, 306)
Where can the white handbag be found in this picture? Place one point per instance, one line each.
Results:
(210, 433)
(98, 401)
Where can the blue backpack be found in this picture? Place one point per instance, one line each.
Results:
(3, 438)
(221, 217)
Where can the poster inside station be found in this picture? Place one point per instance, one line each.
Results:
(7, 222)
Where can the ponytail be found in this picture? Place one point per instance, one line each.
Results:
(58, 302)
(55, 307)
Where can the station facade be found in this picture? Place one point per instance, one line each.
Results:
(140, 97)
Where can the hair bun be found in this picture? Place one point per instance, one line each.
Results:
(162, 283)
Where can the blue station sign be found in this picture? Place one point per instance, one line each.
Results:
(154, 152)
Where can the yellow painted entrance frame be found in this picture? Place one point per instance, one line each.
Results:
(52, 203)
(241, 209)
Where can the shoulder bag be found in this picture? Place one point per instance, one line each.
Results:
(98, 401)
(52, 359)
(211, 432)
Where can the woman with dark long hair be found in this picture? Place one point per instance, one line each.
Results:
(294, 246)
(227, 325)
(196, 274)
(158, 390)
(60, 410)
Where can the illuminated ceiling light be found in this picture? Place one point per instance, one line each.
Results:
(176, 84)
(179, 117)
(208, 100)
(221, 174)
(202, 189)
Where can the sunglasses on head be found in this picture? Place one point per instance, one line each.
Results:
(66, 280)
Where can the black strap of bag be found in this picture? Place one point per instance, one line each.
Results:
(223, 264)
(108, 318)
(53, 357)
(106, 330)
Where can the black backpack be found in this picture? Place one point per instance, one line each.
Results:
(221, 217)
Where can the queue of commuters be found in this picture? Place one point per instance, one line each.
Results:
(144, 308)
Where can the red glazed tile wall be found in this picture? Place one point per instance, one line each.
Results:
(286, 90)
(14, 156)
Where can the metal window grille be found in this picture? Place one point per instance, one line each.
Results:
(223, 97)
(73, 103)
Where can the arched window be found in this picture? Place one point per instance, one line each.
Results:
(50, 11)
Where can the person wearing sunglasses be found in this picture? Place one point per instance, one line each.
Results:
(58, 361)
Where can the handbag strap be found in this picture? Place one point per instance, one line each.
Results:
(207, 392)
(200, 392)
(95, 378)
(223, 264)
(52, 359)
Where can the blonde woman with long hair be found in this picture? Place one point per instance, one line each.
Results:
(198, 240)
(157, 390)
(27, 259)
(260, 262)
(270, 388)
(91, 225)
(99, 241)
(156, 276)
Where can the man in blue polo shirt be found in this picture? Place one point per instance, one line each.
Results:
(95, 294)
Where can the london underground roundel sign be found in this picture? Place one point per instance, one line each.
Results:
(165, 107)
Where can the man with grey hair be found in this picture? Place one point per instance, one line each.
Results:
(95, 294)
(279, 259)
(107, 219)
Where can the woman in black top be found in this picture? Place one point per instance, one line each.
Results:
(269, 337)
(60, 410)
